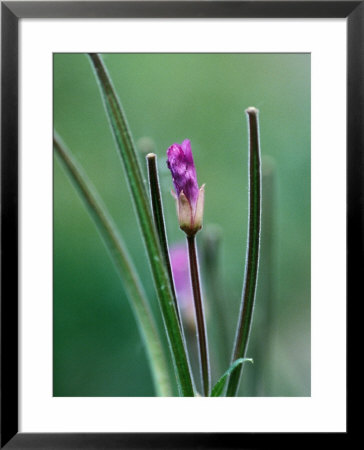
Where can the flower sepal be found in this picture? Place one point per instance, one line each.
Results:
(189, 218)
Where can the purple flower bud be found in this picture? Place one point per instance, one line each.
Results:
(180, 163)
(190, 198)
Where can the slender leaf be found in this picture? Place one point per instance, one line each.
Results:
(128, 154)
(252, 252)
(124, 265)
(158, 216)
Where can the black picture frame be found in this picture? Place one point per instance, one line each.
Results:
(11, 12)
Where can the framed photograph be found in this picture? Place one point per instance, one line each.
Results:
(118, 298)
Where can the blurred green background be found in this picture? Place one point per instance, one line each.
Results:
(167, 98)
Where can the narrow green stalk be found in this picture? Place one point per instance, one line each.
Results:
(252, 254)
(200, 316)
(158, 216)
(124, 265)
(138, 191)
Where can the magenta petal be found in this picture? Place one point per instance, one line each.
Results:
(186, 147)
(180, 163)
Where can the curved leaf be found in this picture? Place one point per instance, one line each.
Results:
(219, 386)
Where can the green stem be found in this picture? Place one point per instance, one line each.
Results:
(138, 191)
(124, 265)
(158, 216)
(200, 316)
(252, 255)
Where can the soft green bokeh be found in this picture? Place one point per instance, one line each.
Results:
(170, 97)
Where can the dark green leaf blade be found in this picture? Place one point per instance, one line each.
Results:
(126, 149)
